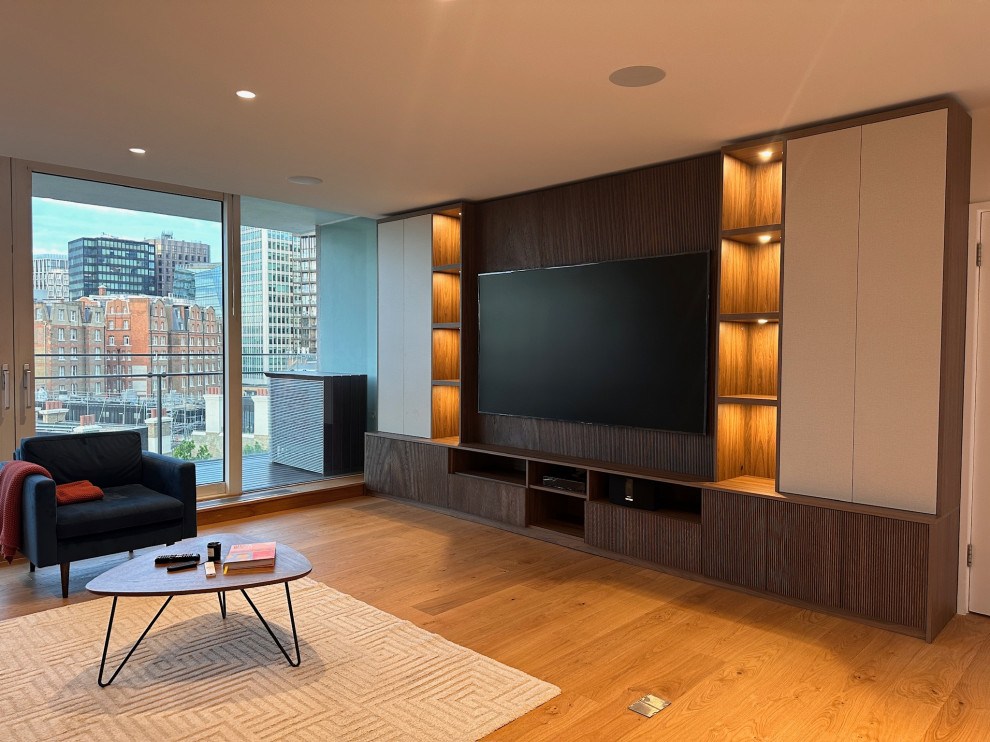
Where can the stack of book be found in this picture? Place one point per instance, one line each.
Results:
(250, 556)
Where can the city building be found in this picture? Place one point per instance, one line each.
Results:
(268, 317)
(183, 283)
(120, 266)
(305, 278)
(207, 284)
(69, 342)
(51, 277)
(171, 254)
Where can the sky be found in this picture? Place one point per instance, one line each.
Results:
(56, 223)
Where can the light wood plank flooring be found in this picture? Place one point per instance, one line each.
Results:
(735, 667)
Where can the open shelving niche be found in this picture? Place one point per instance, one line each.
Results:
(562, 508)
(446, 393)
(749, 315)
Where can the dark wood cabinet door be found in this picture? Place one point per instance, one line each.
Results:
(643, 534)
(885, 568)
(505, 503)
(804, 553)
(734, 547)
(403, 468)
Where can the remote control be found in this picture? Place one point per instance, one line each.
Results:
(211, 569)
(173, 558)
(179, 566)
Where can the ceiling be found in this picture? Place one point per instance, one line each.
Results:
(399, 104)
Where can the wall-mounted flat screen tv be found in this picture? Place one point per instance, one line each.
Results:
(623, 342)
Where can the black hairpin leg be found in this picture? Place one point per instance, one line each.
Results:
(106, 644)
(292, 620)
(222, 597)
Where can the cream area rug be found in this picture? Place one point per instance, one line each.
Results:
(365, 674)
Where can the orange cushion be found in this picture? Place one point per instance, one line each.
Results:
(71, 492)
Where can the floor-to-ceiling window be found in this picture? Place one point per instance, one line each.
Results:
(126, 314)
(165, 309)
(285, 301)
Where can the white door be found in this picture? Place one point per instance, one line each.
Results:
(979, 575)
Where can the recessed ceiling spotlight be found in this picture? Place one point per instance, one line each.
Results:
(305, 180)
(137, 150)
(246, 94)
(765, 238)
(637, 76)
(766, 154)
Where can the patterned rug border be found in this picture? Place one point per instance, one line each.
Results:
(448, 692)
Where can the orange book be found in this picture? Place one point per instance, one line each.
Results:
(250, 556)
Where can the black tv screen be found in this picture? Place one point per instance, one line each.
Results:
(623, 342)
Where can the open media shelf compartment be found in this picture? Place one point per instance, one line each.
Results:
(557, 511)
(498, 468)
(561, 478)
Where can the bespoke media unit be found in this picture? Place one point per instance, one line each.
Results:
(828, 471)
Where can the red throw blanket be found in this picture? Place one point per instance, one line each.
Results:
(12, 477)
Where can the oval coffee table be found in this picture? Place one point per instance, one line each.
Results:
(140, 577)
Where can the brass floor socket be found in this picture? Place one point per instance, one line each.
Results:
(649, 705)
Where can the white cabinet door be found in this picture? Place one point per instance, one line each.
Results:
(899, 312)
(390, 327)
(418, 325)
(818, 332)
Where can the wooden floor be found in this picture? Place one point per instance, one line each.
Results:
(734, 667)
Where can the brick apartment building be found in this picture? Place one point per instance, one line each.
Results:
(119, 341)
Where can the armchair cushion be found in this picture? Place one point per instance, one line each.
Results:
(105, 459)
(123, 507)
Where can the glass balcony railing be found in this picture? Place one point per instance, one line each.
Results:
(176, 402)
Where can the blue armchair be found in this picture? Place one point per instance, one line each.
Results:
(148, 499)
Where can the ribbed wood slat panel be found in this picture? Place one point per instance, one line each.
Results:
(804, 553)
(661, 210)
(735, 544)
(643, 534)
(297, 420)
(493, 500)
(401, 468)
(885, 568)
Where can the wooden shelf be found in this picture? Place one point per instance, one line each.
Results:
(446, 410)
(749, 485)
(594, 466)
(446, 325)
(747, 359)
(567, 528)
(446, 382)
(750, 152)
(750, 317)
(763, 399)
(751, 235)
(559, 491)
(450, 268)
(504, 477)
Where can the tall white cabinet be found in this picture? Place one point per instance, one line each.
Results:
(419, 315)
(405, 311)
(861, 353)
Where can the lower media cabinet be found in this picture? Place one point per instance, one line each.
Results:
(890, 568)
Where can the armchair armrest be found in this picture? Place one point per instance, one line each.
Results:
(174, 478)
(39, 542)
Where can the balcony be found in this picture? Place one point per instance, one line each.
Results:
(148, 392)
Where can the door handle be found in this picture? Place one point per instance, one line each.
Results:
(28, 395)
(5, 383)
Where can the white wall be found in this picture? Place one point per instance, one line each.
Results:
(979, 188)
